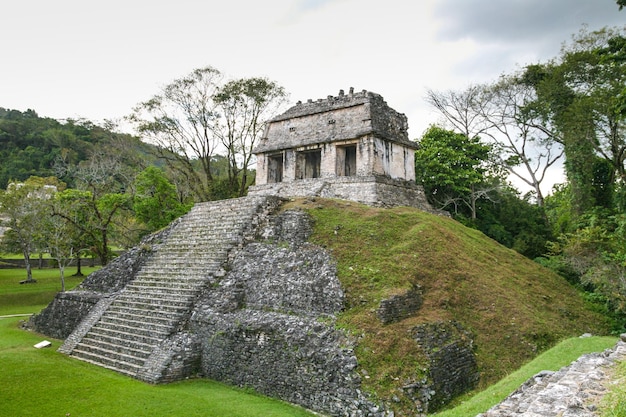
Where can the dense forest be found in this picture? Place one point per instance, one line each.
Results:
(102, 188)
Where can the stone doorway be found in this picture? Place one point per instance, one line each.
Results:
(308, 164)
(346, 161)
(275, 168)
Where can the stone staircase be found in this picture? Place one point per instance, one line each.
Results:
(128, 328)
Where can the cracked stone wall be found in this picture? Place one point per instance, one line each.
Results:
(269, 324)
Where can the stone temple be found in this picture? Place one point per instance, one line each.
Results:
(352, 146)
(234, 290)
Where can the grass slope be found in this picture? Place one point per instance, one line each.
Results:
(514, 308)
(554, 359)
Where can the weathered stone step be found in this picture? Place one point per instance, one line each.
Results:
(110, 358)
(131, 347)
(184, 252)
(144, 303)
(190, 288)
(168, 270)
(134, 339)
(184, 284)
(129, 326)
(181, 268)
(122, 368)
(177, 286)
(104, 350)
(159, 299)
(154, 316)
(171, 296)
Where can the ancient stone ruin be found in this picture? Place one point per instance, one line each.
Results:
(234, 291)
(352, 146)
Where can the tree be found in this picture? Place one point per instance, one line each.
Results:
(621, 4)
(459, 109)
(246, 105)
(99, 199)
(94, 216)
(180, 122)
(198, 116)
(156, 200)
(451, 166)
(59, 243)
(25, 207)
(579, 93)
(524, 144)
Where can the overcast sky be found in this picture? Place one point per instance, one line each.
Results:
(96, 60)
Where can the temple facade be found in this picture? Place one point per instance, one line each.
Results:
(351, 146)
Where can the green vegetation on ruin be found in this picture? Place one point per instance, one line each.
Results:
(514, 308)
(553, 359)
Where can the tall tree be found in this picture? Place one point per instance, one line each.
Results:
(451, 166)
(460, 109)
(156, 200)
(99, 199)
(246, 105)
(180, 121)
(25, 207)
(501, 112)
(579, 93)
(525, 143)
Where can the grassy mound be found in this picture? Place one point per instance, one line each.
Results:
(513, 307)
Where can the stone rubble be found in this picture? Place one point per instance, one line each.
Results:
(573, 391)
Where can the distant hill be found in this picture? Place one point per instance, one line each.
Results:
(31, 145)
(512, 307)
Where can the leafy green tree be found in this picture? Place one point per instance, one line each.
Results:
(451, 167)
(59, 243)
(246, 105)
(156, 201)
(25, 206)
(578, 93)
(196, 117)
(514, 221)
(180, 122)
(96, 206)
(94, 216)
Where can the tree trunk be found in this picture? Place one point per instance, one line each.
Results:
(79, 272)
(29, 270)
(62, 271)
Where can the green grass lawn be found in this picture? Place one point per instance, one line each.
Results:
(16, 298)
(35, 382)
(43, 382)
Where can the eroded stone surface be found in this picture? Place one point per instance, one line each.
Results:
(573, 391)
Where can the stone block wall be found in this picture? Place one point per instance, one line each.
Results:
(269, 323)
(452, 366)
(372, 190)
(400, 306)
(62, 316)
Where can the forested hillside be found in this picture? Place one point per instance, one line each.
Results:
(32, 145)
